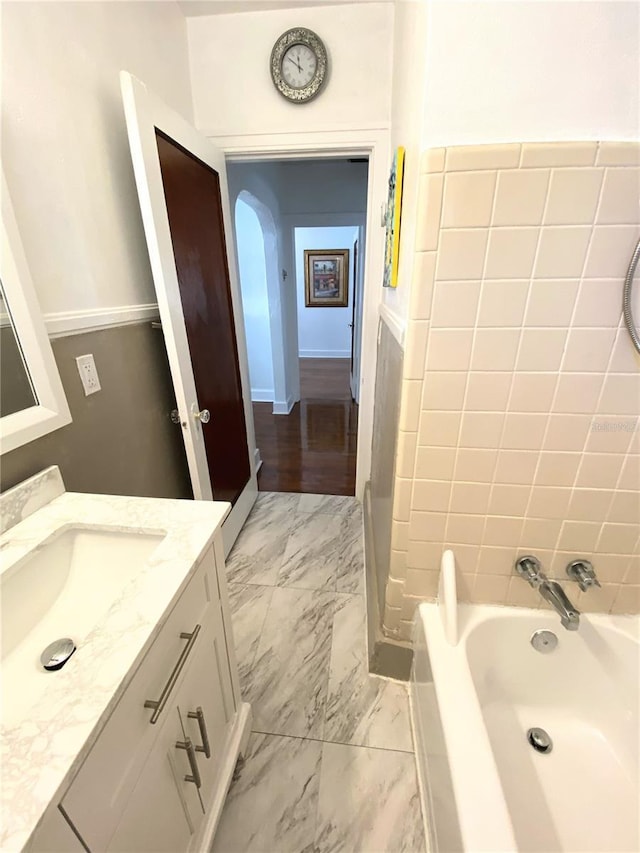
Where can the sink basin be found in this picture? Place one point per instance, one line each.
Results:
(61, 589)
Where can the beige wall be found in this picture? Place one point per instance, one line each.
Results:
(521, 391)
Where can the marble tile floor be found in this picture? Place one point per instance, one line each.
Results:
(330, 763)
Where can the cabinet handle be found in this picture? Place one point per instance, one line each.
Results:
(198, 715)
(158, 704)
(193, 761)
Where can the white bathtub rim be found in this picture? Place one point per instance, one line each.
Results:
(474, 774)
(423, 788)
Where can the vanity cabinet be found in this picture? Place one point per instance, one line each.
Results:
(163, 812)
(54, 835)
(156, 777)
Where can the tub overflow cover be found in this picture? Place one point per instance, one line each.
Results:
(540, 740)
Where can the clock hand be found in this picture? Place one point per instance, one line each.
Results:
(295, 63)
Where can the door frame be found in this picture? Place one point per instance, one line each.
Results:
(374, 143)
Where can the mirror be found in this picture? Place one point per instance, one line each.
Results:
(16, 390)
(32, 400)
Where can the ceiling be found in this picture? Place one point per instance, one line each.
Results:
(192, 8)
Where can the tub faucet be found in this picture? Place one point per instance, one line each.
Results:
(552, 592)
(530, 569)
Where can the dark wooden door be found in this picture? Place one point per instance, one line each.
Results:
(194, 208)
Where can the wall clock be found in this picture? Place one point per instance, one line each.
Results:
(299, 65)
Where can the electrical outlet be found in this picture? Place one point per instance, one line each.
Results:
(88, 374)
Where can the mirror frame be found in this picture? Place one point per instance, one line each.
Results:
(52, 410)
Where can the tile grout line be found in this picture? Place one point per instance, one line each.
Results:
(340, 599)
(334, 742)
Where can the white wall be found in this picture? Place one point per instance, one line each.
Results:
(255, 301)
(479, 71)
(531, 71)
(64, 144)
(323, 332)
(407, 115)
(320, 194)
(300, 194)
(232, 88)
(260, 182)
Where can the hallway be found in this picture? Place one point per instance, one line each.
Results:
(313, 449)
(330, 764)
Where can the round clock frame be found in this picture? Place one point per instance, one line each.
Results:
(306, 37)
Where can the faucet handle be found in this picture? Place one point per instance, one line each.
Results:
(583, 573)
(530, 569)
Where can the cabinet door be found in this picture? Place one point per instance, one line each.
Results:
(100, 792)
(205, 701)
(164, 810)
(54, 835)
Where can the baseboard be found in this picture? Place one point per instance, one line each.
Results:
(324, 353)
(238, 740)
(262, 395)
(234, 522)
(283, 407)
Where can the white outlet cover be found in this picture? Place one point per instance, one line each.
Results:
(88, 374)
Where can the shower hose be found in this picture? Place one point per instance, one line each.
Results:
(626, 298)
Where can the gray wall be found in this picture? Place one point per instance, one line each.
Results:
(15, 388)
(386, 412)
(121, 440)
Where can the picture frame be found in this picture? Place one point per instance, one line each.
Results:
(392, 219)
(326, 278)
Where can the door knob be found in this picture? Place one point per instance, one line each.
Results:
(203, 416)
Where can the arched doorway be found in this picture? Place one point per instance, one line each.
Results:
(258, 262)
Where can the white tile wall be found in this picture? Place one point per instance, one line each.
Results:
(521, 391)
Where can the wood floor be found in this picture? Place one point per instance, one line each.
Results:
(313, 449)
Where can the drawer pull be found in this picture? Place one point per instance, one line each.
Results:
(158, 704)
(198, 715)
(193, 762)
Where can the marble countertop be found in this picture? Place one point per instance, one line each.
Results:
(41, 754)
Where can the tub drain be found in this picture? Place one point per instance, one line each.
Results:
(544, 641)
(540, 740)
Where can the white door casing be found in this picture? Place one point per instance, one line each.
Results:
(375, 143)
(145, 112)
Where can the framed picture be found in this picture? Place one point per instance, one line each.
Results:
(392, 220)
(326, 278)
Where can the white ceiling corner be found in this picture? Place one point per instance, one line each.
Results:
(194, 8)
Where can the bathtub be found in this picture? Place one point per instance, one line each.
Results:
(484, 786)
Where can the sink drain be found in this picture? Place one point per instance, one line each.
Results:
(540, 740)
(57, 654)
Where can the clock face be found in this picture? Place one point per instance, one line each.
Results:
(299, 65)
